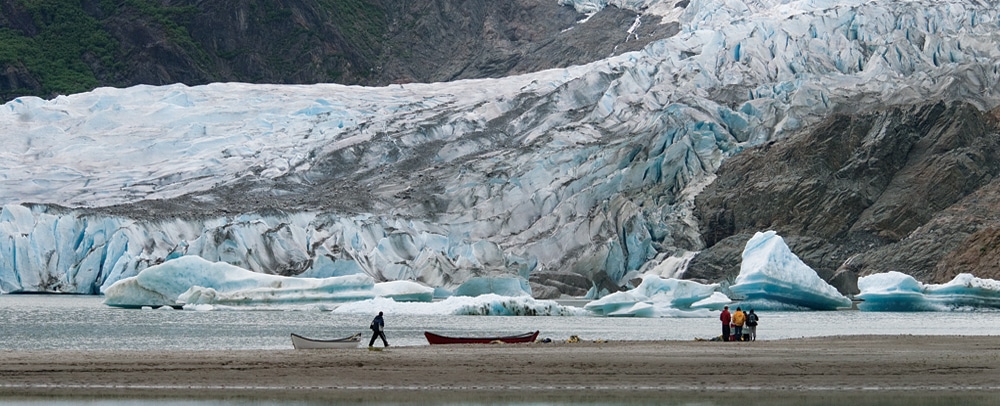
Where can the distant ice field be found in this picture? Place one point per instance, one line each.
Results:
(32, 322)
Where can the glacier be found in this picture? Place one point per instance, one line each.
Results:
(591, 169)
(772, 277)
(896, 292)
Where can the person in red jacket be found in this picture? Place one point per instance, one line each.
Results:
(725, 323)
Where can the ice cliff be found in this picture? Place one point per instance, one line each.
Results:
(589, 170)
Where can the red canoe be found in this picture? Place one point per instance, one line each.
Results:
(440, 339)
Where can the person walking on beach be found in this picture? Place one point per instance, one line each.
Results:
(725, 323)
(752, 325)
(378, 325)
(738, 319)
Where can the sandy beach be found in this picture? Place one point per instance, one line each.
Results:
(559, 369)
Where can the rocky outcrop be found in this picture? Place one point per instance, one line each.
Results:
(15, 79)
(907, 189)
(553, 284)
(977, 254)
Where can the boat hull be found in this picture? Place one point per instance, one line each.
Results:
(303, 343)
(440, 339)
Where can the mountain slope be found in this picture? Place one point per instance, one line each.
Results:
(61, 47)
(868, 192)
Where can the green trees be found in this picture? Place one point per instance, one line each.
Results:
(65, 44)
(67, 48)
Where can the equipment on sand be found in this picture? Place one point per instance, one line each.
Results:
(440, 339)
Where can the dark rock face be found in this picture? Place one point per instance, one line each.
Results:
(539, 291)
(977, 254)
(551, 284)
(362, 42)
(17, 79)
(453, 40)
(895, 190)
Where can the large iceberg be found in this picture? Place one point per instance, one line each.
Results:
(193, 283)
(895, 291)
(772, 277)
(191, 280)
(658, 297)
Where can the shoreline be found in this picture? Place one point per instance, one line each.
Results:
(519, 397)
(845, 364)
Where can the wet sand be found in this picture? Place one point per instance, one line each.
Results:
(559, 370)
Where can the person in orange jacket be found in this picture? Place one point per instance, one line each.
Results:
(738, 319)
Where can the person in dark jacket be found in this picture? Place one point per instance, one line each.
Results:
(378, 327)
(752, 320)
(725, 317)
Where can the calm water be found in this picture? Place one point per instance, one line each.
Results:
(42, 322)
(30, 322)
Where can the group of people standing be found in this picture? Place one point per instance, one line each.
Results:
(732, 325)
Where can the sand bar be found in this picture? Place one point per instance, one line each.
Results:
(849, 363)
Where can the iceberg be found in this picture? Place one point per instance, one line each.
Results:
(193, 283)
(192, 280)
(404, 291)
(658, 297)
(899, 292)
(772, 277)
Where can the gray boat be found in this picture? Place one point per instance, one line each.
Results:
(303, 343)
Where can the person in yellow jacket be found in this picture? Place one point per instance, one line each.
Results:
(738, 319)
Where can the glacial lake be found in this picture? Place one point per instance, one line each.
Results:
(58, 322)
(67, 322)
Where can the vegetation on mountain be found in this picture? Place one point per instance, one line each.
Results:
(53, 47)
